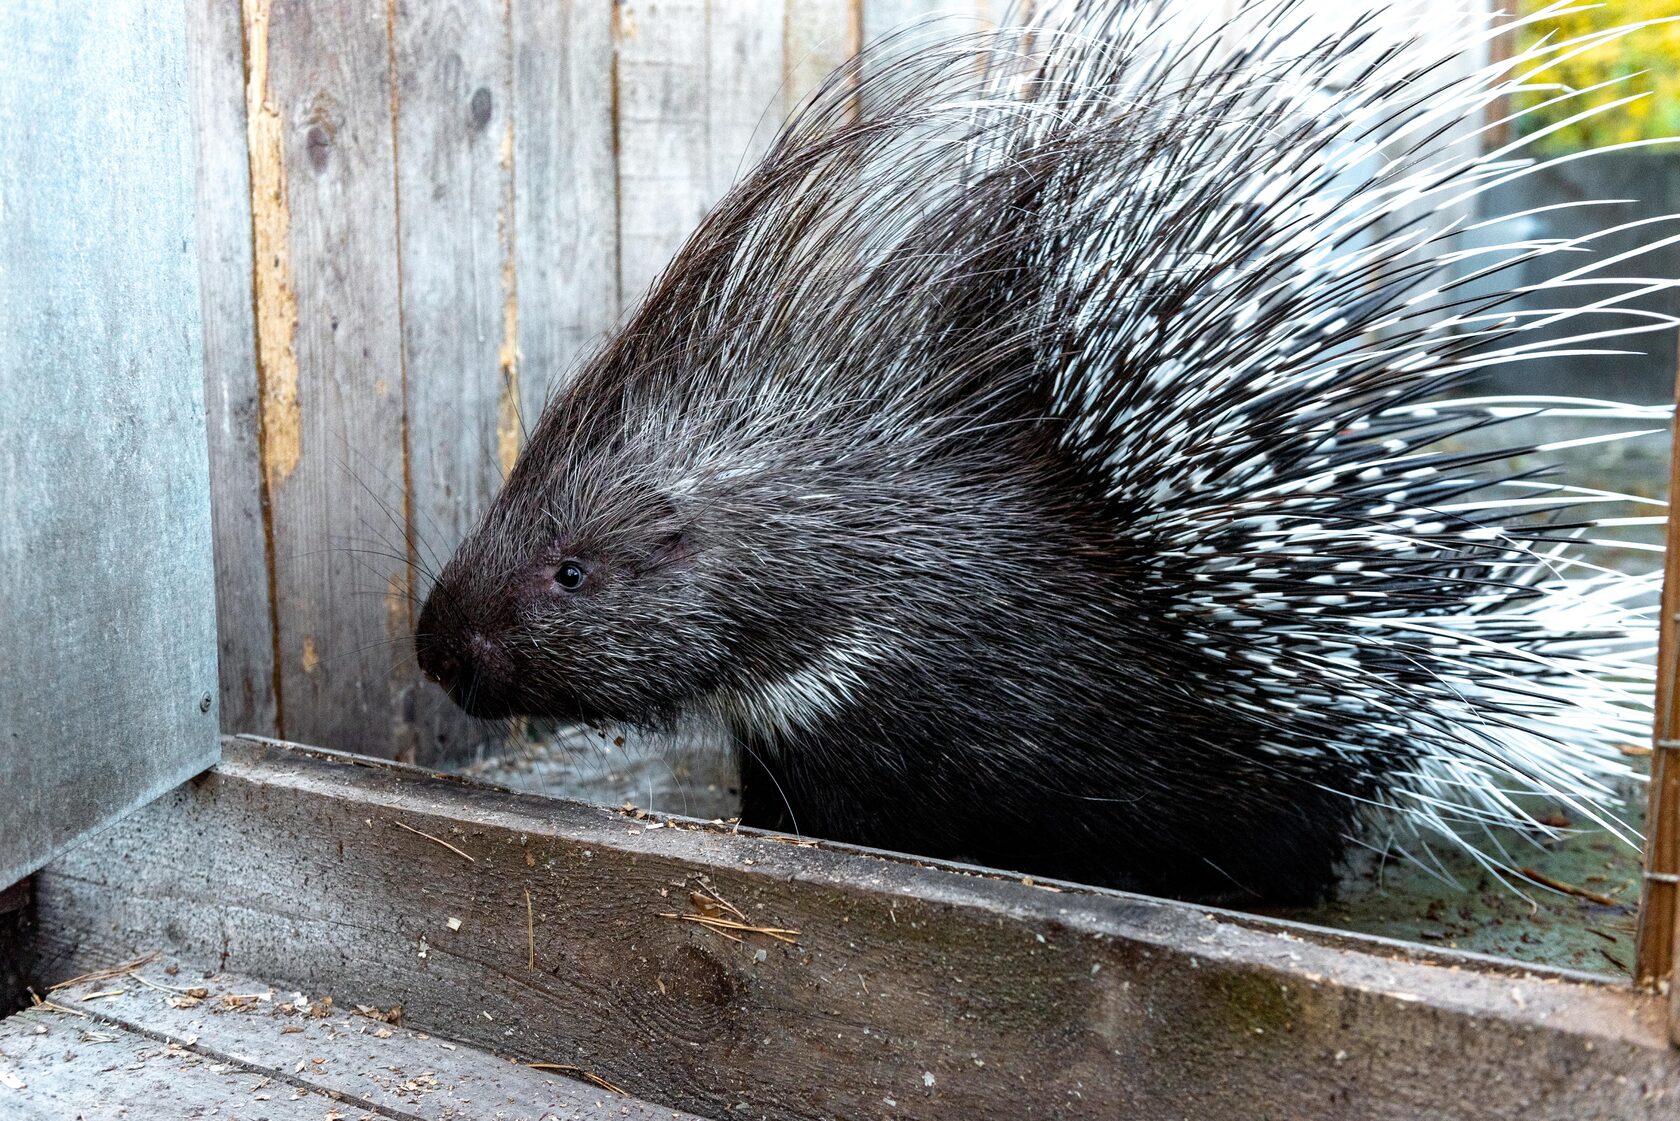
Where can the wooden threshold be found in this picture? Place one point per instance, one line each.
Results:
(743, 974)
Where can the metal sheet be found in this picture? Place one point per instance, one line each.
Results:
(107, 599)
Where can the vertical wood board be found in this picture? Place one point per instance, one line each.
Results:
(818, 36)
(245, 631)
(107, 595)
(565, 189)
(334, 438)
(460, 309)
(924, 19)
(745, 83)
(664, 156)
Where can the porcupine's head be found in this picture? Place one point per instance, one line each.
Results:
(581, 580)
(764, 476)
(675, 539)
(689, 527)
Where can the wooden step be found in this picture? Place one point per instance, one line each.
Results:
(153, 1040)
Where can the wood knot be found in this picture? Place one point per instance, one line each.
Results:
(318, 143)
(694, 976)
(689, 994)
(479, 109)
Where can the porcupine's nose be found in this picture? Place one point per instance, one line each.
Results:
(468, 665)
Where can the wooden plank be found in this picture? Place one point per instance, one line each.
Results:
(245, 627)
(664, 159)
(565, 189)
(925, 19)
(818, 36)
(1659, 910)
(107, 614)
(460, 299)
(319, 103)
(55, 1067)
(299, 1045)
(910, 989)
(744, 87)
(699, 98)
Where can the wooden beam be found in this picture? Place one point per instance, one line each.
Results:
(1659, 912)
(706, 968)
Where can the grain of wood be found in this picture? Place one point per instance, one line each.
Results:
(818, 36)
(744, 87)
(245, 631)
(565, 189)
(107, 593)
(664, 151)
(915, 990)
(271, 1049)
(454, 154)
(340, 553)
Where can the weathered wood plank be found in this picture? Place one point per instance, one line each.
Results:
(910, 990)
(330, 355)
(460, 304)
(565, 189)
(664, 158)
(744, 87)
(107, 592)
(925, 18)
(819, 35)
(299, 1045)
(54, 1067)
(245, 631)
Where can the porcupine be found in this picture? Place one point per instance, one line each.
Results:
(1037, 460)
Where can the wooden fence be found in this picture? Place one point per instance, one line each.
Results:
(413, 217)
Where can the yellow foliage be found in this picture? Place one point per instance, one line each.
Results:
(1647, 61)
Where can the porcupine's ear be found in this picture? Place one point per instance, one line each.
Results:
(668, 531)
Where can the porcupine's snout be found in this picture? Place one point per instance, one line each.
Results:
(472, 667)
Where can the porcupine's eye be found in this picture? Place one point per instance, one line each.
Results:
(570, 576)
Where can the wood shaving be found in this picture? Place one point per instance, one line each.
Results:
(437, 841)
(587, 1075)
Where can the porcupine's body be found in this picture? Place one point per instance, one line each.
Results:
(1029, 463)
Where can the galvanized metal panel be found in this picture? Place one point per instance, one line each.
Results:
(107, 597)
